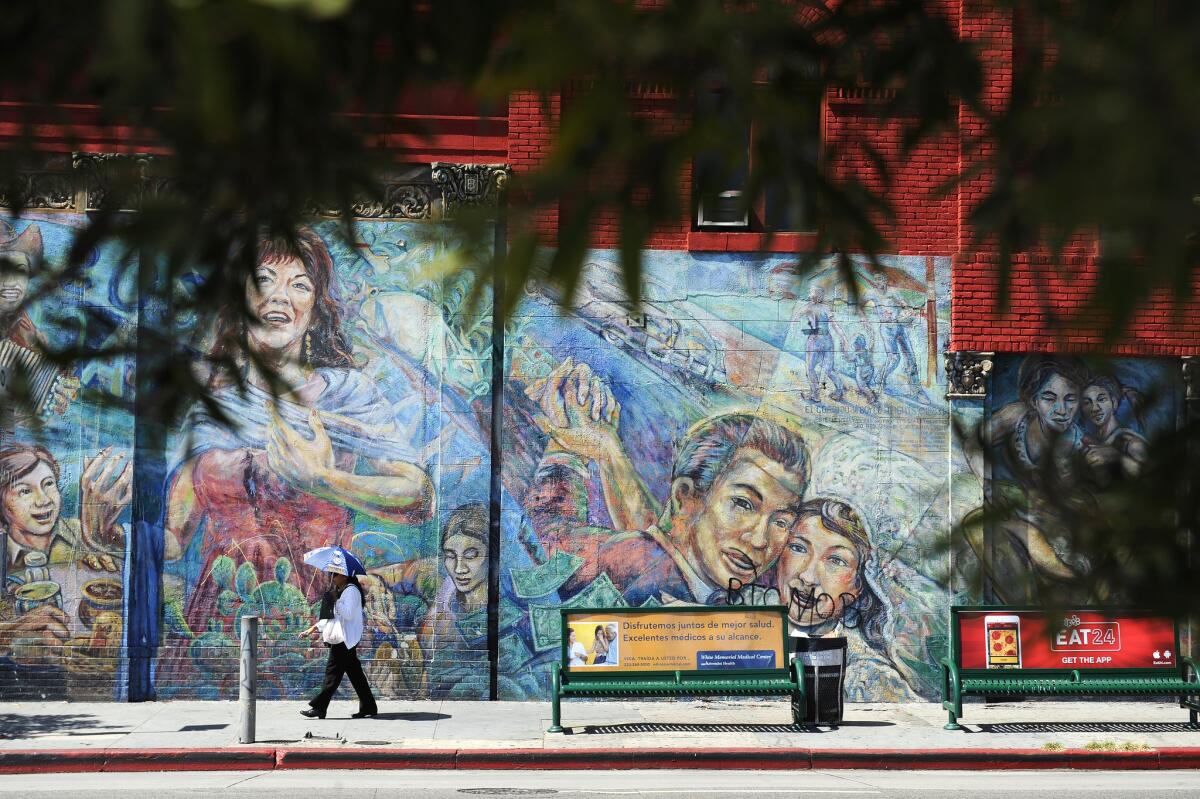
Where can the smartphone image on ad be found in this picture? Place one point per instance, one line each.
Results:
(1003, 636)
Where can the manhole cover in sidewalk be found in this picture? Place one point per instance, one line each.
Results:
(372, 743)
(507, 791)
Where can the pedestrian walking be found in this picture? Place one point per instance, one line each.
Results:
(341, 633)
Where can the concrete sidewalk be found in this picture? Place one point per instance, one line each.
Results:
(1056, 734)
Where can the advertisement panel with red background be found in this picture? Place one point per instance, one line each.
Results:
(1032, 639)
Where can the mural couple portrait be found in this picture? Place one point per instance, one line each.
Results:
(739, 525)
(1071, 431)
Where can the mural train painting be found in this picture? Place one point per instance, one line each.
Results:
(745, 437)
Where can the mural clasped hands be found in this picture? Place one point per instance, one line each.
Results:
(303, 463)
(578, 411)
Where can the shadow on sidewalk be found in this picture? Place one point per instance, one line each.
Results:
(651, 726)
(1084, 726)
(19, 725)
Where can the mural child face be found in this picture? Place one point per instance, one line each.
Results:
(31, 507)
(281, 295)
(1057, 403)
(463, 559)
(1098, 406)
(14, 281)
(818, 573)
(738, 528)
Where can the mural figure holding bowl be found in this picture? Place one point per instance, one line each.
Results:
(46, 549)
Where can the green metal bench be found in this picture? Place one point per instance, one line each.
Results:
(620, 681)
(1077, 672)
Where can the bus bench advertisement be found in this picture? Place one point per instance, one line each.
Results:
(664, 641)
(1030, 639)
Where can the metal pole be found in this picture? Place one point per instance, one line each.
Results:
(248, 679)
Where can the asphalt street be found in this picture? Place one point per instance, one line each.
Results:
(592, 784)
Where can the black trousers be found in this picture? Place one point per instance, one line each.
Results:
(343, 661)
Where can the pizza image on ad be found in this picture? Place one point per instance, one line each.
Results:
(1003, 640)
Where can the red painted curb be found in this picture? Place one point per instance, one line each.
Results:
(221, 759)
(46, 761)
(365, 758)
(57, 761)
(625, 759)
(938, 759)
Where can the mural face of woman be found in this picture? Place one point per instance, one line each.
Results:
(1098, 405)
(818, 572)
(32, 505)
(281, 295)
(463, 558)
(1056, 403)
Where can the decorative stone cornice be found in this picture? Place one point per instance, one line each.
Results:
(91, 181)
(469, 185)
(49, 186)
(125, 178)
(967, 374)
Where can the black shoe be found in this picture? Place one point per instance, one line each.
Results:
(365, 714)
(313, 713)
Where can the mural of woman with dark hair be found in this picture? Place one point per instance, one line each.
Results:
(1110, 449)
(1037, 441)
(306, 442)
(829, 579)
(450, 593)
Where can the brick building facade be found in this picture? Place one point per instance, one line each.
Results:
(607, 474)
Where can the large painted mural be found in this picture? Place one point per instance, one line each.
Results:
(744, 436)
(66, 470)
(379, 443)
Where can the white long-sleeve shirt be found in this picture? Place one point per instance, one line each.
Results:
(346, 626)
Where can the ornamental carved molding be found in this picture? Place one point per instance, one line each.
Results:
(967, 374)
(49, 186)
(469, 185)
(123, 181)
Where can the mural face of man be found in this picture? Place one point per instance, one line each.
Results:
(1098, 405)
(31, 506)
(14, 281)
(464, 562)
(281, 294)
(819, 572)
(1057, 403)
(737, 528)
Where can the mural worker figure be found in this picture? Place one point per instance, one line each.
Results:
(294, 470)
(341, 634)
(819, 327)
(736, 484)
(827, 576)
(895, 318)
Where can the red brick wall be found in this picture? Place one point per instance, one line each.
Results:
(1046, 302)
